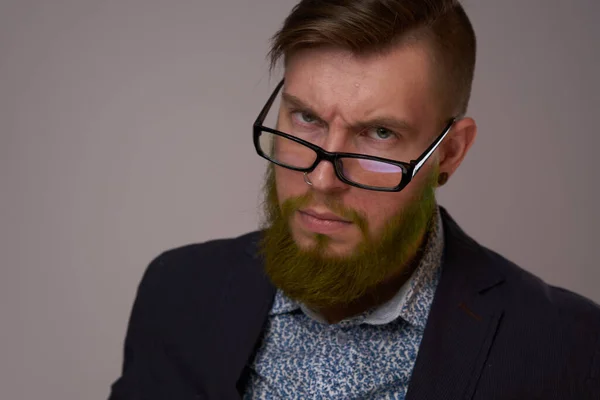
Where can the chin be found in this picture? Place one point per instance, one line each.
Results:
(333, 247)
(339, 251)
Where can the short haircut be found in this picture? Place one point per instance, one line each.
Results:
(367, 27)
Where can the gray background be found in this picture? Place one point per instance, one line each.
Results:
(125, 130)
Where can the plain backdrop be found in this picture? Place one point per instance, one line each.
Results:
(125, 129)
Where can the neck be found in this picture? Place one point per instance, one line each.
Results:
(380, 293)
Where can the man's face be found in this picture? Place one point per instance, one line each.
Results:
(386, 99)
(329, 242)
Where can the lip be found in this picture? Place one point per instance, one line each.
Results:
(322, 222)
(328, 216)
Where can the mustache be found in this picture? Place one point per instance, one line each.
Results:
(274, 210)
(331, 203)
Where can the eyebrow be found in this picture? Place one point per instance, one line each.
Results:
(390, 122)
(295, 102)
(396, 124)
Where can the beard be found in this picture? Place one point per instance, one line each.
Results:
(318, 279)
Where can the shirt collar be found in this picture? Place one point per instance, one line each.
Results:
(283, 304)
(412, 301)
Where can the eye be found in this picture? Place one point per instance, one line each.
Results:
(380, 133)
(304, 117)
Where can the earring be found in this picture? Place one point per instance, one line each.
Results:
(308, 182)
(442, 178)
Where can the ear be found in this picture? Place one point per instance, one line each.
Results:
(456, 145)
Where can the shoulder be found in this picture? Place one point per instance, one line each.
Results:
(522, 293)
(202, 269)
(538, 321)
(548, 326)
(214, 249)
(546, 339)
(529, 292)
(192, 259)
(546, 322)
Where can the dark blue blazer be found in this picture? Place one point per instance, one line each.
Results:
(494, 331)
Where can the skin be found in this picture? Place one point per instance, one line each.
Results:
(346, 96)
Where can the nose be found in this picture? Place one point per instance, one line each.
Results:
(323, 177)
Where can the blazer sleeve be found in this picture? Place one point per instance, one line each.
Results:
(148, 372)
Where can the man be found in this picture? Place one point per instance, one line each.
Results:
(359, 286)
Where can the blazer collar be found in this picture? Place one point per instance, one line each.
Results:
(464, 317)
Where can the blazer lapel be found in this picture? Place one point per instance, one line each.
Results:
(232, 329)
(464, 317)
(251, 314)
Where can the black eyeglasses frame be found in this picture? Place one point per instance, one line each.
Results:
(409, 169)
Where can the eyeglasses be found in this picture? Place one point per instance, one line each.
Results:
(360, 170)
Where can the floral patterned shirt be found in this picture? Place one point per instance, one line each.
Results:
(369, 356)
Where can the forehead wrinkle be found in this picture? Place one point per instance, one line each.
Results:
(344, 89)
(372, 110)
(329, 88)
(330, 113)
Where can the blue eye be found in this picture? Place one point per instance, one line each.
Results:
(383, 133)
(304, 117)
(380, 133)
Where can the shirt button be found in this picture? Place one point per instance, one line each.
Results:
(342, 338)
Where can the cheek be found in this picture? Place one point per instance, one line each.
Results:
(381, 207)
(377, 207)
(289, 184)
